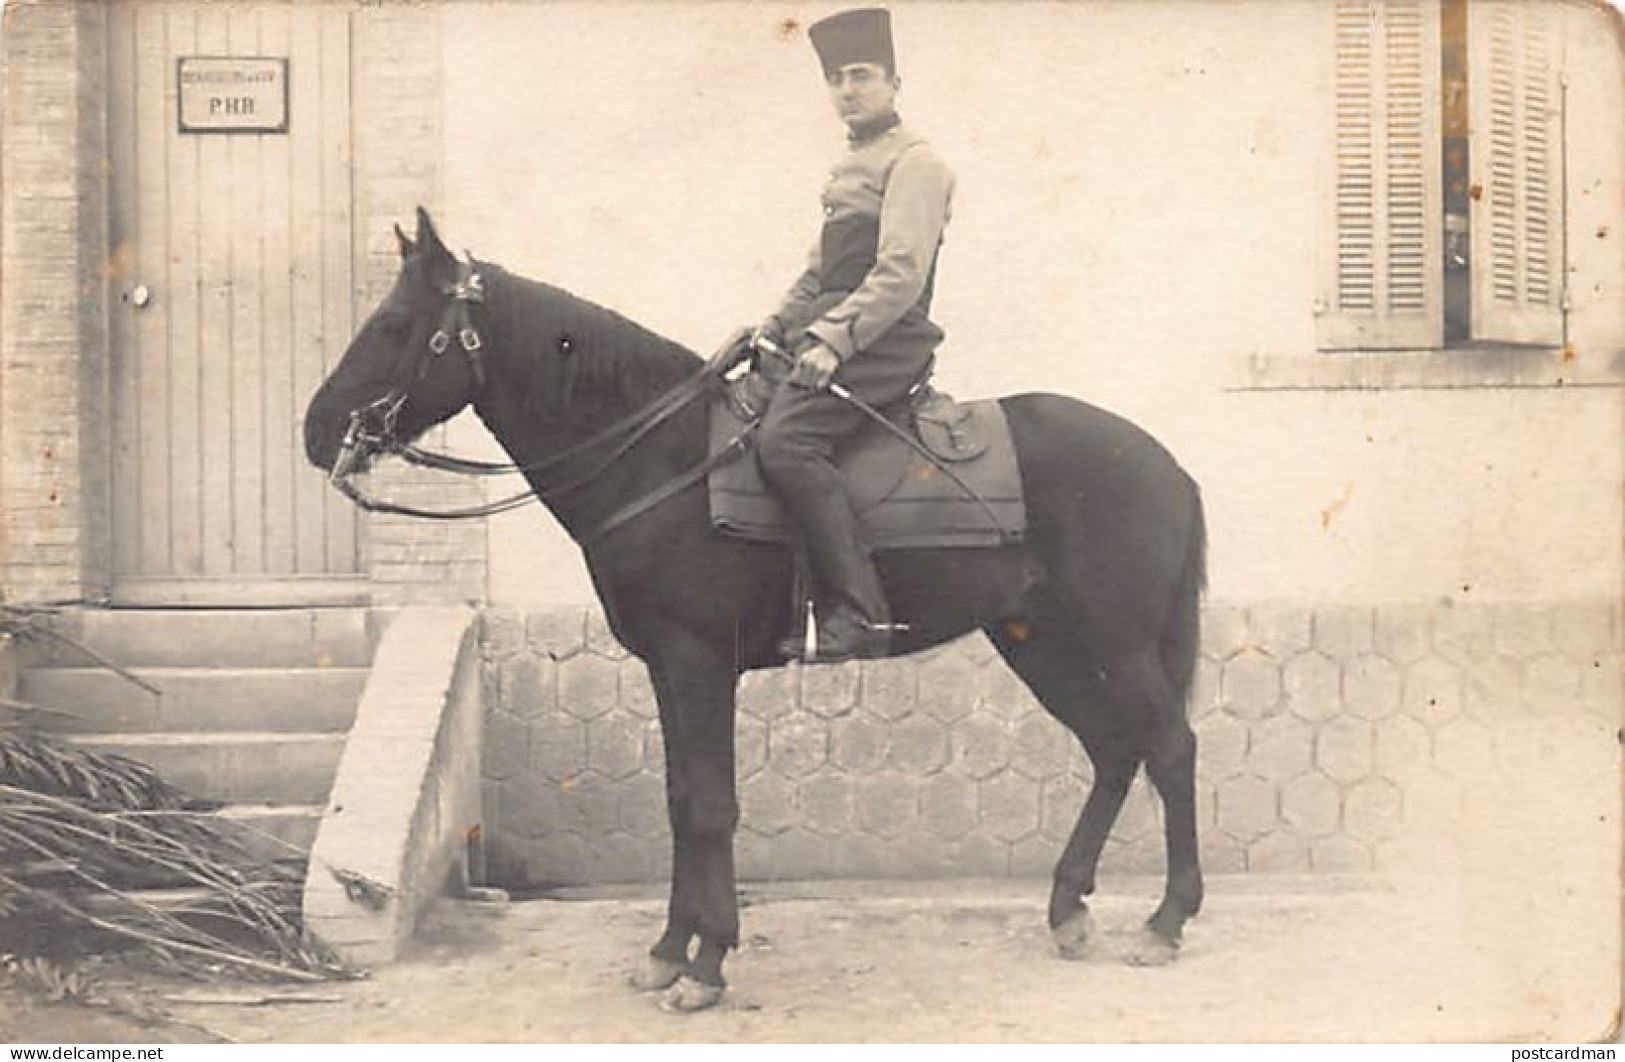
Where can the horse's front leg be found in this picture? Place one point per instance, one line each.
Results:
(669, 958)
(695, 688)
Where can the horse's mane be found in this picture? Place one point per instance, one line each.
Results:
(610, 360)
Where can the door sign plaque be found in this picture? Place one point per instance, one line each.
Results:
(233, 95)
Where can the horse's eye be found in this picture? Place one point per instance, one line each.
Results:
(567, 343)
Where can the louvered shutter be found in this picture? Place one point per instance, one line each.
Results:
(1384, 273)
(1514, 100)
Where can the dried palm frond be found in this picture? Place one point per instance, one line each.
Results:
(45, 977)
(101, 780)
(82, 832)
(245, 915)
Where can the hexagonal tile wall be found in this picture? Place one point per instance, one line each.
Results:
(1007, 804)
(1250, 685)
(1282, 746)
(858, 743)
(1321, 731)
(1312, 805)
(798, 745)
(1313, 684)
(1246, 807)
(918, 745)
(1371, 687)
(825, 802)
(832, 691)
(887, 804)
(589, 686)
(948, 808)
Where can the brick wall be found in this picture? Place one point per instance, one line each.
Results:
(398, 144)
(1327, 737)
(53, 313)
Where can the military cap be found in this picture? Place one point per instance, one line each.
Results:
(862, 35)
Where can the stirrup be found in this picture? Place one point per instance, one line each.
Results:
(856, 639)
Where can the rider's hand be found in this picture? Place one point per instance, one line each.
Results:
(815, 367)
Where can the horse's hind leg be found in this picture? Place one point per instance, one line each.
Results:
(1172, 767)
(1054, 668)
(1170, 760)
(1129, 714)
(1074, 879)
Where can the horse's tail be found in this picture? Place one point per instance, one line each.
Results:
(1182, 633)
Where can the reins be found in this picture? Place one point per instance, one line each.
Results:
(621, 436)
(361, 443)
(635, 426)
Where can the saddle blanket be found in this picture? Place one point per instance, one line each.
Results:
(902, 500)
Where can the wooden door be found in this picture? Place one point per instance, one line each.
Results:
(231, 269)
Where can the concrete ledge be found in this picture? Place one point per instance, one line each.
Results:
(1481, 367)
(406, 802)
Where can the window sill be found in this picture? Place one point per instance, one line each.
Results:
(1427, 370)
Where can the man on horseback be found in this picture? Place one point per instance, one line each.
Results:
(858, 317)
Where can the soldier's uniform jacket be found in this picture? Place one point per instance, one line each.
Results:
(869, 276)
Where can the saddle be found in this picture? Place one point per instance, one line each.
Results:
(902, 499)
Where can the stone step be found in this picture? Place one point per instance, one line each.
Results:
(291, 637)
(308, 698)
(274, 832)
(233, 766)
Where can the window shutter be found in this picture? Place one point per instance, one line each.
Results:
(1384, 276)
(1514, 100)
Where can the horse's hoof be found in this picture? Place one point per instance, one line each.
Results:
(655, 975)
(1072, 936)
(1153, 949)
(689, 995)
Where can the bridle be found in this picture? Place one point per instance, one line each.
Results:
(371, 429)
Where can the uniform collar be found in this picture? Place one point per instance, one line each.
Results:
(864, 132)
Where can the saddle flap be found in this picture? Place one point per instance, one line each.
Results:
(902, 500)
(948, 429)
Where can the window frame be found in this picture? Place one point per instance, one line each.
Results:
(1353, 354)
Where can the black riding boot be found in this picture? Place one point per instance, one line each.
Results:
(856, 622)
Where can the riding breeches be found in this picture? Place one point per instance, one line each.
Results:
(796, 446)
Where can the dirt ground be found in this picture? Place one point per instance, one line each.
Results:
(1277, 959)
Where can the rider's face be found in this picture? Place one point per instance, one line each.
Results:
(862, 92)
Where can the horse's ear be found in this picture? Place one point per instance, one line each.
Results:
(428, 241)
(405, 242)
(427, 237)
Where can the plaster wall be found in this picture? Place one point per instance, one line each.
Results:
(1137, 219)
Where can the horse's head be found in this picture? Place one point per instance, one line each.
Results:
(416, 361)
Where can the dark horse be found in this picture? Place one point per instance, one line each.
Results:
(1096, 610)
